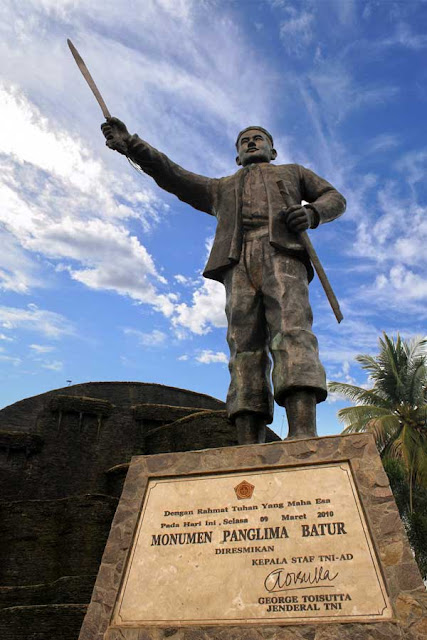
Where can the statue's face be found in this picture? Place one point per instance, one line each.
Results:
(254, 146)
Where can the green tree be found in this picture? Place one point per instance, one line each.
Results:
(394, 410)
(415, 522)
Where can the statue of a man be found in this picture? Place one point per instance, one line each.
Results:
(259, 258)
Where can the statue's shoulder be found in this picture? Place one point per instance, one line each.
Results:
(286, 168)
(228, 182)
(287, 172)
(226, 179)
(231, 177)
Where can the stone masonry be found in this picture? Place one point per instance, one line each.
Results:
(63, 458)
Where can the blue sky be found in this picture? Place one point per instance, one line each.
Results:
(100, 271)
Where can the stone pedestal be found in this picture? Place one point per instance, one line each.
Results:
(289, 540)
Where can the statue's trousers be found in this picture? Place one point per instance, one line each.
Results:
(268, 310)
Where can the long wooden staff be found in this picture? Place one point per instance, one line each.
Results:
(306, 242)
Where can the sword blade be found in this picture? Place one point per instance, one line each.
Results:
(85, 73)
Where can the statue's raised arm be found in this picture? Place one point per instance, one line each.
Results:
(198, 191)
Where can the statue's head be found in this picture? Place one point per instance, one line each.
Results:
(254, 144)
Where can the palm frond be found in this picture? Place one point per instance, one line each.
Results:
(417, 379)
(393, 362)
(411, 447)
(358, 394)
(394, 410)
(369, 363)
(419, 416)
(360, 415)
(417, 348)
(385, 429)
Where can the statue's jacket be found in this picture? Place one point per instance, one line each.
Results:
(222, 197)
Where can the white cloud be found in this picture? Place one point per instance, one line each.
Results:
(401, 285)
(340, 93)
(204, 62)
(50, 198)
(297, 31)
(56, 365)
(28, 136)
(206, 310)
(41, 348)
(64, 201)
(183, 280)
(10, 360)
(390, 215)
(116, 260)
(346, 11)
(48, 323)
(394, 229)
(383, 142)
(413, 166)
(340, 344)
(154, 339)
(208, 357)
(46, 157)
(411, 250)
(341, 375)
(404, 36)
(18, 270)
(183, 358)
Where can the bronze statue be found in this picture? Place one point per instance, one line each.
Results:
(259, 257)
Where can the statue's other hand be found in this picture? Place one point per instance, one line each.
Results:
(116, 134)
(298, 218)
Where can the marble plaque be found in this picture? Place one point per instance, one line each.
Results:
(285, 545)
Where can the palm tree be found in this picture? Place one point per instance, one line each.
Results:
(394, 410)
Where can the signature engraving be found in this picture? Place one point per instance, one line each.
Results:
(282, 580)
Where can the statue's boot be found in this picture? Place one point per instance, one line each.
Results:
(301, 412)
(251, 428)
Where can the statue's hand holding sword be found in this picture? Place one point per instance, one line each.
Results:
(116, 134)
